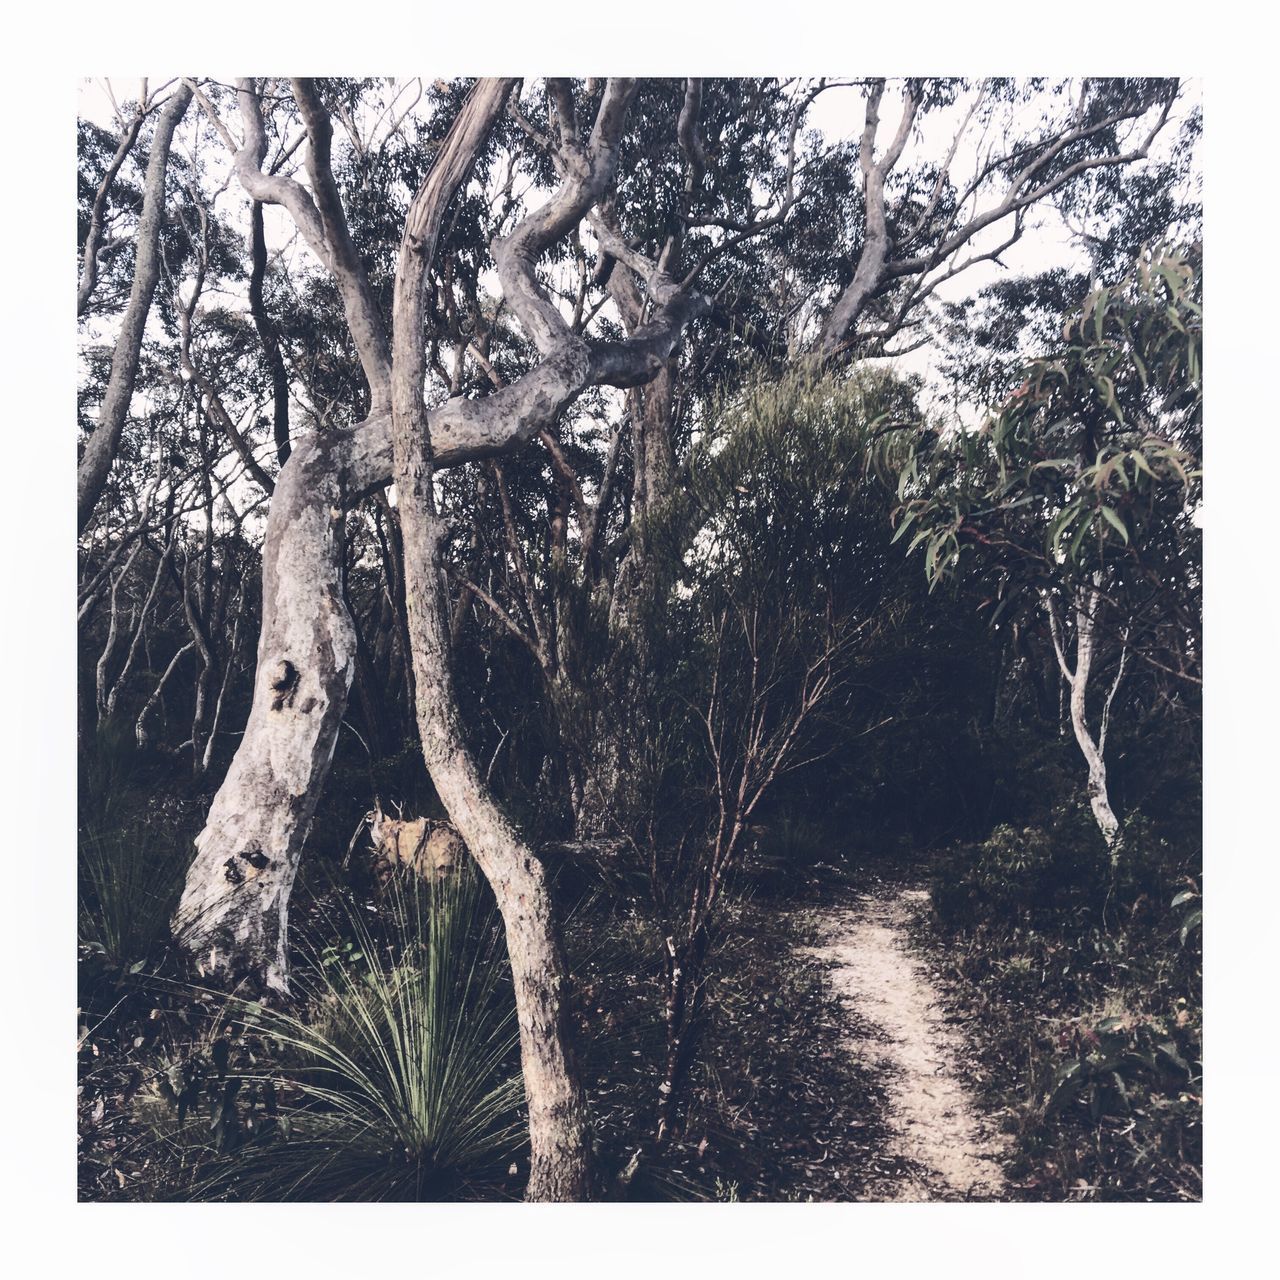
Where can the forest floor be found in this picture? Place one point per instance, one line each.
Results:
(899, 1027)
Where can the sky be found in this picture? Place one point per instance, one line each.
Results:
(839, 114)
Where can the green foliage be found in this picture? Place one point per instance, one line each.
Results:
(1057, 872)
(785, 476)
(1086, 456)
(1090, 1041)
(1084, 986)
(1016, 872)
(108, 765)
(1104, 1066)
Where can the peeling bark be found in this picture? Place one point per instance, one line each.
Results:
(234, 910)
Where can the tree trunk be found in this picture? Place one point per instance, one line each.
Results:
(1091, 748)
(558, 1130)
(100, 448)
(1099, 800)
(234, 909)
(1077, 680)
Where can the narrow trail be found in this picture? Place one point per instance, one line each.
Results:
(935, 1120)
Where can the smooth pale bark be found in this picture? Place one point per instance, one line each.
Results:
(1091, 747)
(869, 274)
(558, 1130)
(93, 238)
(100, 449)
(233, 915)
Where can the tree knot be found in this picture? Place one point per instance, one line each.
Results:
(284, 679)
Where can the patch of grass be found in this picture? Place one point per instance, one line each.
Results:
(130, 882)
(108, 766)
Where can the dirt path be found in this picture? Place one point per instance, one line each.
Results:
(936, 1122)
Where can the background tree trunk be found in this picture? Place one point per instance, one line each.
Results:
(1077, 679)
(100, 448)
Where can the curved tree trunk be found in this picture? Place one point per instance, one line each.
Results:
(1099, 799)
(558, 1129)
(97, 218)
(233, 915)
(1091, 747)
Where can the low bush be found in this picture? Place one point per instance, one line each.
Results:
(1015, 873)
(787, 850)
(1061, 872)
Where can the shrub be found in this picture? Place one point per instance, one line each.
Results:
(108, 765)
(1010, 874)
(1084, 983)
(784, 849)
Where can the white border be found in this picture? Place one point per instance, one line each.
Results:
(47, 49)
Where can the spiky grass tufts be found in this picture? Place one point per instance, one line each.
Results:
(398, 1076)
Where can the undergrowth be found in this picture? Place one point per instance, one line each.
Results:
(392, 1073)
(1083, 987)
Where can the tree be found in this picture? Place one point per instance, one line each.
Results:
(234, 908)
(100, 448)
(558, 1133)
(1076, 496)
(782, 603)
